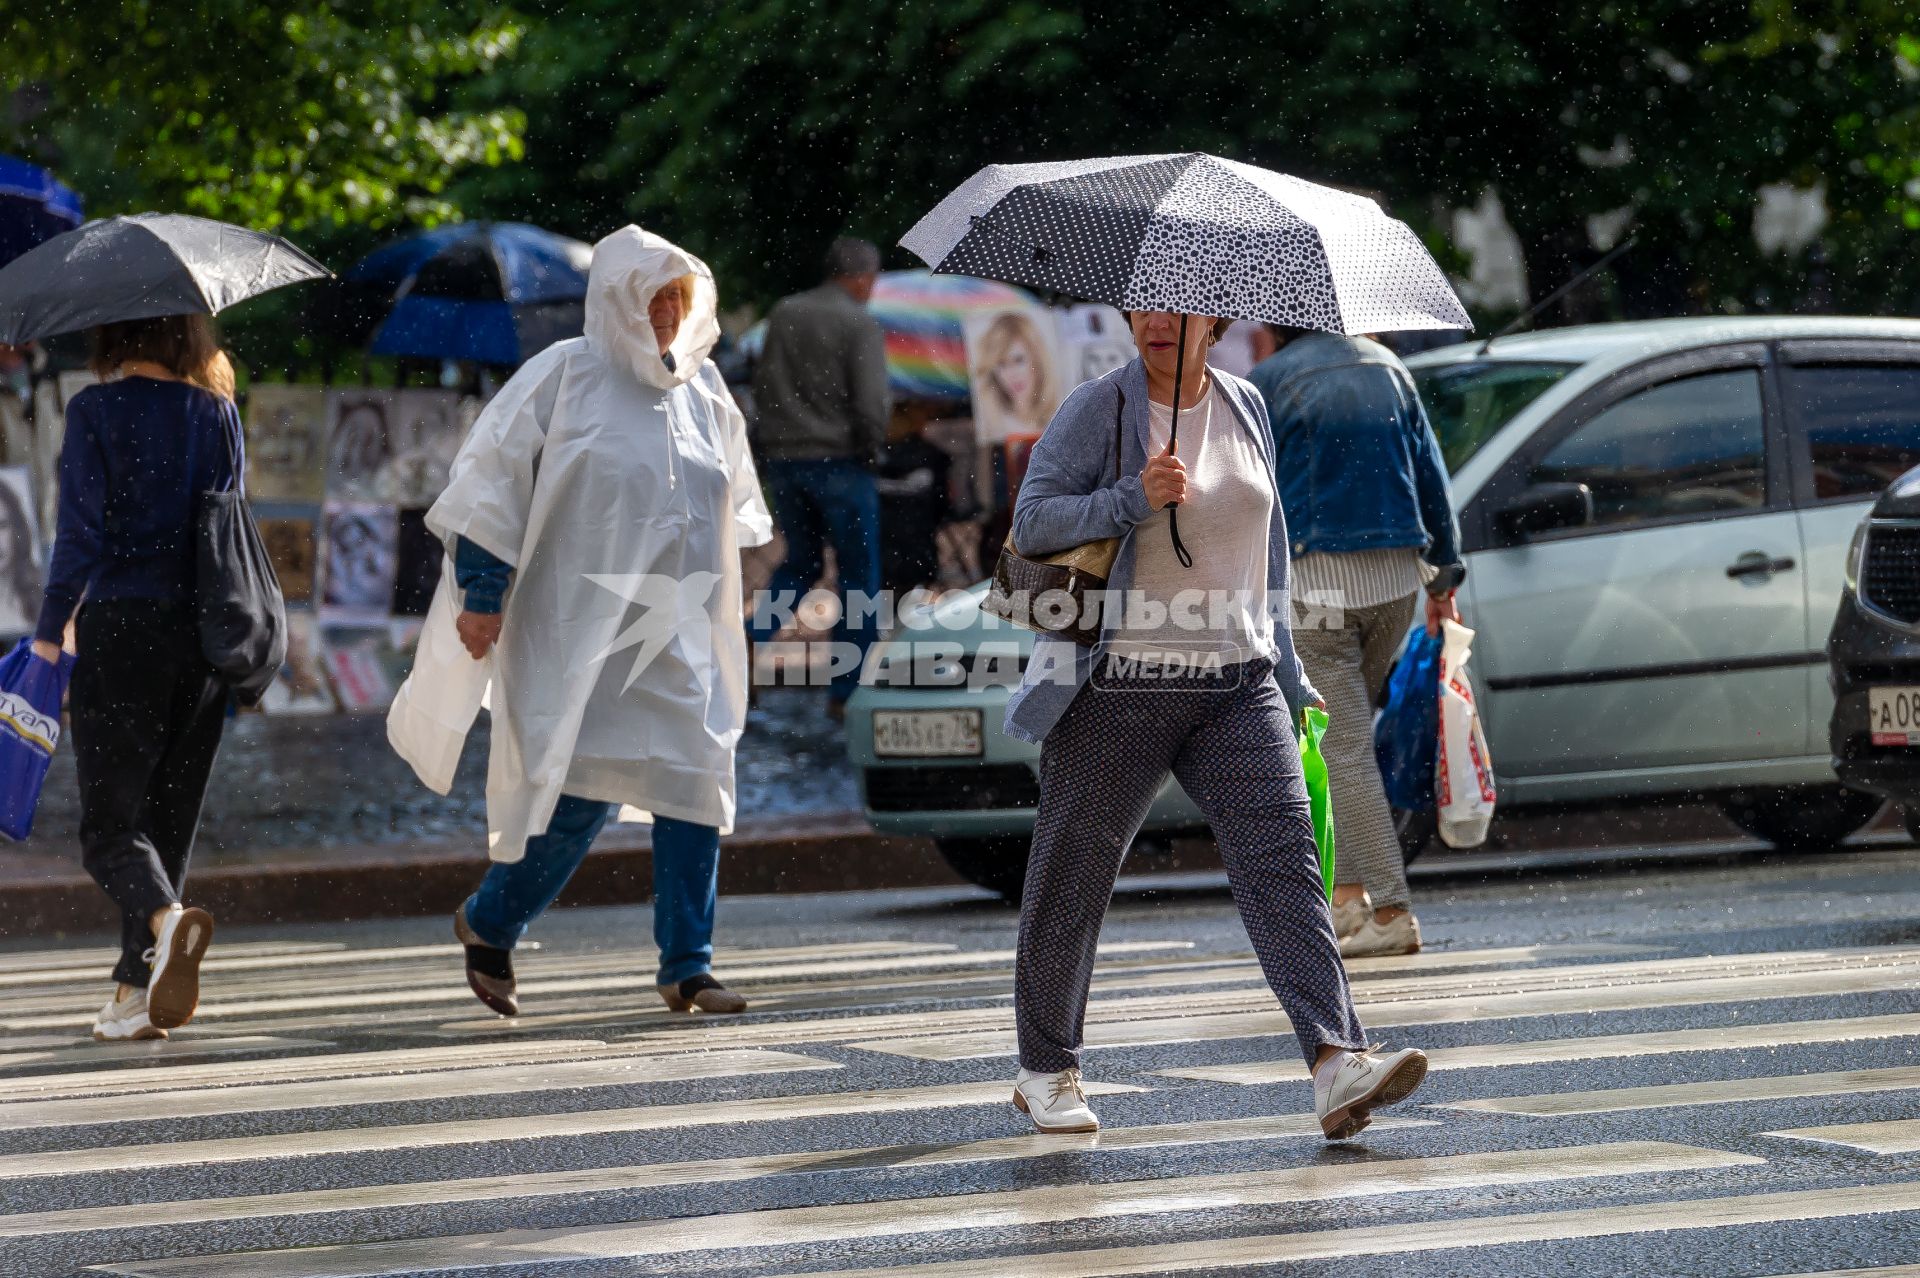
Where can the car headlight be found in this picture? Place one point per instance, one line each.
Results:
(1856, 552)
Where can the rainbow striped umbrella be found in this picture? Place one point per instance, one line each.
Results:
(921, 314)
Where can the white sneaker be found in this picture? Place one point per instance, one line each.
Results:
(1351, 1085)
(1348, 916)
(124, 1020)
(1398, 935)
(1056, 1102)
(173, 992)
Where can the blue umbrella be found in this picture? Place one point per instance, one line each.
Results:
(492, 292)
(35, 206)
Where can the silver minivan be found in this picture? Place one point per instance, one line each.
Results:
(1655, 518)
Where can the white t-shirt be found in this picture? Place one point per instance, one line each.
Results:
(1214, 613)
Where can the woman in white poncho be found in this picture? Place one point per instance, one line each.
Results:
(594, 517)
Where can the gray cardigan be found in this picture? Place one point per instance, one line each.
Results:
(1069, 496)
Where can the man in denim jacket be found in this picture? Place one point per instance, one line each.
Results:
(1371, 523)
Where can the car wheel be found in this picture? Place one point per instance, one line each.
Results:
(1416, 831)
(1804, 819)
(998, 864)
(1910, 817)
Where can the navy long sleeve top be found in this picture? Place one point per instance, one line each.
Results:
(137, 455)
(483, 575)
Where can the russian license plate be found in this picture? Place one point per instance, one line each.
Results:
(1894, 714)
(925, 733)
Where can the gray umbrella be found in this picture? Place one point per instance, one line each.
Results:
(123, 268)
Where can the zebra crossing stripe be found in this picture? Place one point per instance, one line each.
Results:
(84, 1051)
(289, 1069)
(1899, 1136)
(1438, 1011)
(836, 1223)
(485, 1131)
(522, 1079)
(1449, 1234)
(98, 961)
(89, 967)
(1600, 1047)
(1715, 1092)
(667, 1175)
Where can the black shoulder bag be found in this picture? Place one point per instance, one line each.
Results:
(242, 618)
(1049, 593)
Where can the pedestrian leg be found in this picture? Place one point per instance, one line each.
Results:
(178, 789)
(122, 697)
(796, 514)
(515, 893)
(1366, 848)
(852, 512)
(1100, 768)
(686, 888)
(1242, 767)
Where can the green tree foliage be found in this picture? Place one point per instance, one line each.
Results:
(287, 114)
(755, 129)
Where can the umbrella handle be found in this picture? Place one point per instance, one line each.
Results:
(1180, 550)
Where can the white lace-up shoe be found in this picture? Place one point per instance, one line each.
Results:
(1348, 1087)
(1398, 935)
(1056, 1102)
(173, 992)
(1350, 916)
(124, 1020)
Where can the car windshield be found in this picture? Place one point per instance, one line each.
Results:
(1470, 400)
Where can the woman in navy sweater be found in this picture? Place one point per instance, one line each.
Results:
(147, 710)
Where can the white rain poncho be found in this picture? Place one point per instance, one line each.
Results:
(621, 490)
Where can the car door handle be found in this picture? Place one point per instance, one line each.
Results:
(1757, 564)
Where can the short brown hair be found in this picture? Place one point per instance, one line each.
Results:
(1220, 326)
(184, 345)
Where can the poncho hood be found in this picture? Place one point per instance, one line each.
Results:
(629, 267)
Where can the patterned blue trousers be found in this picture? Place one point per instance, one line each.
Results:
(1229, 741)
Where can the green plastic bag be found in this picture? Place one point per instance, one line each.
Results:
(1319, 796)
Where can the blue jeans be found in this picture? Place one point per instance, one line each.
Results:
(827, 501)
(686, 884)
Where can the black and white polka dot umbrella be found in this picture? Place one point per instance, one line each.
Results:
(1193, 234)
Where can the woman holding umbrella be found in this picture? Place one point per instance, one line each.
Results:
(1194, 673)
(141, 450)
(147, 708)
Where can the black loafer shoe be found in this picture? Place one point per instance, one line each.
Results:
(703, 992)
(489, 968)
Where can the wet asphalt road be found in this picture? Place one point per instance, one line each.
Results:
(872, 1074)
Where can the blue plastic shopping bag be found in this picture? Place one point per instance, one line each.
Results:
(30, 693)
(1406, 736)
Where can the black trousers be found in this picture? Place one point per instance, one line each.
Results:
(147, 716)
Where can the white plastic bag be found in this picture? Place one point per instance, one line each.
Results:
(1463, 779)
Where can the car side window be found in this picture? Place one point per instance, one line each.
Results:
(1695, 446)
(1861, 423)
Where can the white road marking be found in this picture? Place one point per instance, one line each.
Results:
(1443, 1234)
(344, 994)
(1437, 1011)
(87, 1052)
(488, 1131)
(1731, 1091)
(662, 1175)
(800, 1226)
(226, 958)
(99, 961)
(1601, 1047)
(288, 1069)
(497, 1080)
(1898, 1136)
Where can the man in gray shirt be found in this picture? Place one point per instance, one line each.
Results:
(821, 395)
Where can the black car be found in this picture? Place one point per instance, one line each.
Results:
(1873, 654)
